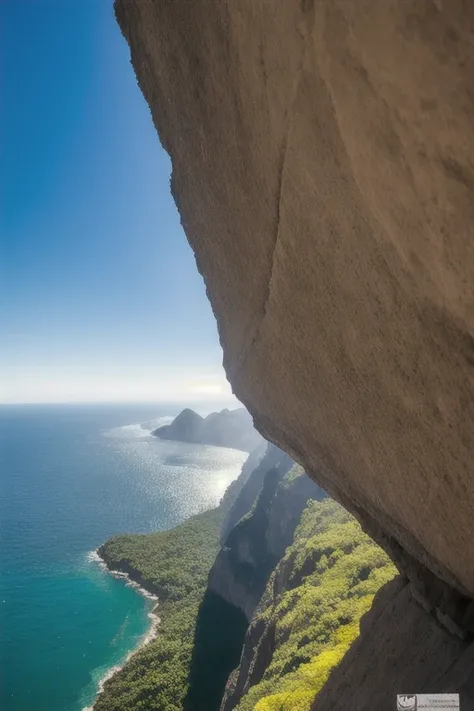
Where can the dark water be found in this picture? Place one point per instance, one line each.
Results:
(70, 478)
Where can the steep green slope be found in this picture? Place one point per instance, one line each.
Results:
(307, 619)
(175, 565)
(239, 575)
(310, 612)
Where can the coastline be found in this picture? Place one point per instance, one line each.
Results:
(95, 557)
(174, 565)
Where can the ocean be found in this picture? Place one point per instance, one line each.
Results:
(72, 476)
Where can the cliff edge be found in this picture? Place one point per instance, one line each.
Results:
(323, 166)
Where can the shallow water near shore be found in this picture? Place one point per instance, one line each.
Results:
(102, 674)
(72, 477)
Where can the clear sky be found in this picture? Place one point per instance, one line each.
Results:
(101, 298)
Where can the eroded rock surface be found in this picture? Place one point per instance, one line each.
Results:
(323, 167)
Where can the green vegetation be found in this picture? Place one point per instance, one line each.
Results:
(291, 476)
(326, 582)
(175, 564)
(328, 578)
(220, 632)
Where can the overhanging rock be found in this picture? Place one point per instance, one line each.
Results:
(323, 167)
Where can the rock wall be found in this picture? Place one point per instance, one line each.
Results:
(234, 489)
(323, 167)
(259, 539)
(251, 483)
(240, 573)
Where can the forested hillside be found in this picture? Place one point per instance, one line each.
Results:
(307, 619)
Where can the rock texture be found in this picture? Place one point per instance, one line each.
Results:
(228, 428)
(323, 167)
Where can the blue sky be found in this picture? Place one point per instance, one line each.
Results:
(101, 296)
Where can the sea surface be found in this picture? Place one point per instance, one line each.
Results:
(70, 477)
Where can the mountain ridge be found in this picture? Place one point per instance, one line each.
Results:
(227, 428)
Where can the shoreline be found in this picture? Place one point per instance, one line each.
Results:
(95, 557)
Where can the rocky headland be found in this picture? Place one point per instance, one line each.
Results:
(228, 428)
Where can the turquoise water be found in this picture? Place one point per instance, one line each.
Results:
(70, 478)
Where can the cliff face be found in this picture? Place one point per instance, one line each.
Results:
(251, 483)
(228, 428)
(309, 617)
(240, 573)
(258, 540)
(234, 489)
(323, 166)
(309, 613)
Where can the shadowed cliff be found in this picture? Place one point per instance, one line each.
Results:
(240, 573)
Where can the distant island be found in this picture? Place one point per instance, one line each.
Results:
(228, 428)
